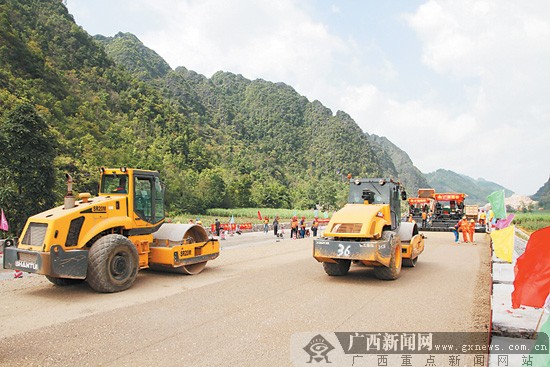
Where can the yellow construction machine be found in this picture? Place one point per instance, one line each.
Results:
(368, 230)
(107, 239)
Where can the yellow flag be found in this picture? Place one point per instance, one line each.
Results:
(503, 243)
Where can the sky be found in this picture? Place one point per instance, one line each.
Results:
(459, 85)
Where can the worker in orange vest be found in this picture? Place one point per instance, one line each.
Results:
(464, 227)
(472, 229)
(303, 227)
(315, 226)
(294, 228)
(424, 219)
(266, 225)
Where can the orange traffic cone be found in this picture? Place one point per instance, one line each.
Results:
(18, 274)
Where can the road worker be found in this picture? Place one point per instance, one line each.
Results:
(482, 217)
(294, 228)
(455, 231)
(472, 229)
(464, 227)
(266, 224)
(315, 226)
(303, 227)
(424, 219)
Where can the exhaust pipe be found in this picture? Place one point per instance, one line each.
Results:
(69, 200)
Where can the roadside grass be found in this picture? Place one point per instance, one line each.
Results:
(246, 215)
(531, 222)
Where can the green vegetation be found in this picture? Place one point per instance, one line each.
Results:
(477, 190)
(26, 164)
(399, 159)
(220, 142)
(223, 142)
(532, 221)
(543, 196)
(247, 215)
(252, 213)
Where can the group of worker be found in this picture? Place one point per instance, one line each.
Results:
(467, 228)
(298, 228)
(426, 217)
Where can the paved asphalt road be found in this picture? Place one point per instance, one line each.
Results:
(243, 310)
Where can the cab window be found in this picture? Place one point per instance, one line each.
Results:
(143, 201)
(149, 198)
(159, 200)
(114, 184)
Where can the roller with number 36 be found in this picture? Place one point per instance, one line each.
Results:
(368, 230)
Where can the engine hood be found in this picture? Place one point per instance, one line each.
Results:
(359, 220)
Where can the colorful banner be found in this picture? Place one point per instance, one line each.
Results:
(503, 243)
(496, 199)
(449, 197)
(413, 201)
(503, 223)
(532, 280)
(541, 343)
(4, 222)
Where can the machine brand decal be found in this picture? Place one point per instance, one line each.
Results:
(185, 252)
(26, 265)
(370, 245)
(99, 209)
(321, 242)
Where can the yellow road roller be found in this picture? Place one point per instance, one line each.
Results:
(107, 239)
(368, 230)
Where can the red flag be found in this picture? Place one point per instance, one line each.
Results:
(532, 281)
(3, 222)
(259, 215)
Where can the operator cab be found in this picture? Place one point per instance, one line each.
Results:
(378, 191)
(373, 191)
(144, 190)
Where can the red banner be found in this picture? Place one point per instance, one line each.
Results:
(449, 197)
(418, 201)
(532, 278)
(232, 227)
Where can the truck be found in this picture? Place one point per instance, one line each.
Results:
(368, 230)
(107, 239)
(471, 212)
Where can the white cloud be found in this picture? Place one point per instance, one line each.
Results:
(504, 46)
(493, 54)
(272, 40)
(494, 50)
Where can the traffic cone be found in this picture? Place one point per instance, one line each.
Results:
(18, 274)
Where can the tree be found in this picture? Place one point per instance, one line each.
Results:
(27, 174)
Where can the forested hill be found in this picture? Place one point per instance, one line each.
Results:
(127, 50)
(223, 141)
(543, 195)
(406, 171)
(477, 190)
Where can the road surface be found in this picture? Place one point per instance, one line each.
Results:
(243, 310)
